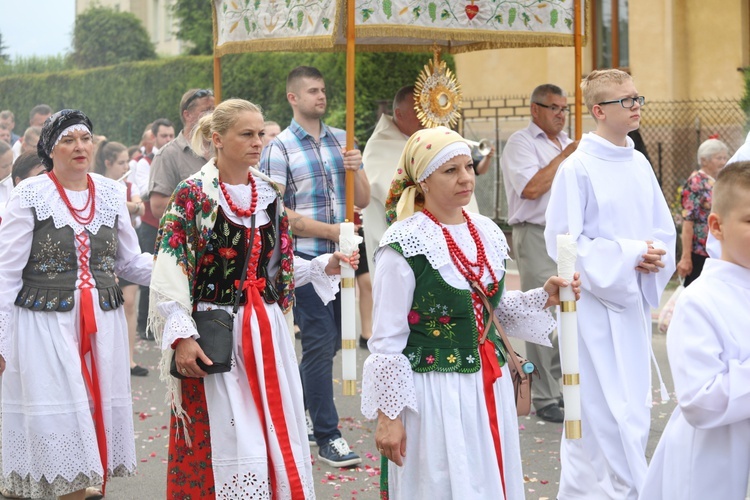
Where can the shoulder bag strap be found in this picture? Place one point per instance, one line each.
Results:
(511, 356)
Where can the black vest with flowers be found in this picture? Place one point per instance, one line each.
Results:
(49, 278)
(221, 265)
(443, 333)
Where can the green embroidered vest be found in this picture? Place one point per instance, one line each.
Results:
(443, 329)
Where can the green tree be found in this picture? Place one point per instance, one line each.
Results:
(195, 21)
(4, 57)
(103, 36)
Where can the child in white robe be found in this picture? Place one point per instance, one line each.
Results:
(705, 449)
(606, 196)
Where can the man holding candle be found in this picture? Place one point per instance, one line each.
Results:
(529, 163)
(308, 162)
(606, 197)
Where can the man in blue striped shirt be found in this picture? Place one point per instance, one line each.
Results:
(308, 162)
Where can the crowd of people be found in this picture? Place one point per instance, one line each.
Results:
(235, 217)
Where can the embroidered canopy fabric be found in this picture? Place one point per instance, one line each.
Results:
(390, 25)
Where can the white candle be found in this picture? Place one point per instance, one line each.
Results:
(348, 243)
(568, 334)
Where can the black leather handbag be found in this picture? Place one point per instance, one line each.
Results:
(215, 328)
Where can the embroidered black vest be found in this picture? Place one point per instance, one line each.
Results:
(221, 265)
(49, 278)
(443, 329)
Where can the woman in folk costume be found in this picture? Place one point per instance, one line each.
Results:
(66, 411)
(444, 401)
(242, 433)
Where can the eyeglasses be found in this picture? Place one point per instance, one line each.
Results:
(555, 109)
(627, 102)
(198, 95)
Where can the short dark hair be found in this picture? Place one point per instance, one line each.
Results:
(544, 90)
(40, 109)
(23, 165)
(405, 92)
(302, 72)
(160, 122)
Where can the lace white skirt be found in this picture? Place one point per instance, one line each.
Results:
(239, 452)
(449, 450)
(49, 442)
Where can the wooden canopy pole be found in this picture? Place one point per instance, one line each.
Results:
(350, 52)
(217, 80)
(578, 42)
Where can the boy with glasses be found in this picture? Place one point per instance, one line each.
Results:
(606, 196)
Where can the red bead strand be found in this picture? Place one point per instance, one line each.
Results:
(77, 212)
(241, 212)
(472, 271)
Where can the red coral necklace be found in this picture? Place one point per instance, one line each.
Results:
(241, 211)
(77, 213)
(472, 271)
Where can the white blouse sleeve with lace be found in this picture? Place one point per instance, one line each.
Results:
(523, 316)
(387, 377)
(314, 271)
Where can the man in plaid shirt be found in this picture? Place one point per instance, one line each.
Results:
(309, 163)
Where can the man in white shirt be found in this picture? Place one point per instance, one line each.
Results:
(529, 163)
(162, 131)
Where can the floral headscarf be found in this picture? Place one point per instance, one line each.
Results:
(405, 195)
(57, 125)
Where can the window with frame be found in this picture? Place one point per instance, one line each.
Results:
(610, 34)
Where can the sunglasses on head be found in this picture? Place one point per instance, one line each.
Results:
(197, 95)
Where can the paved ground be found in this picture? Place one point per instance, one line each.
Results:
(540, 441)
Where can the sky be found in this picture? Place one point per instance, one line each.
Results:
(36, 27)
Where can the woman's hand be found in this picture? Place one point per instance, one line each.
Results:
(553, 285)
(2, 365)
(186, 353)
(390, 438)
(334, 263)
(684, 267)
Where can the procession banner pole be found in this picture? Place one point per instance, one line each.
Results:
(347, 237)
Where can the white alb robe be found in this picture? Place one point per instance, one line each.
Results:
(608, 198)
(705, 449)
(449, 450)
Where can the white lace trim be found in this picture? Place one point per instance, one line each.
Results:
(41, 194)
(447, 153)
(387, 385)
(418, 235)
(178, 325)
(523, 316)
(325, 286)
(78, 126)
(6, 321)
(254, 483)
(241, 194)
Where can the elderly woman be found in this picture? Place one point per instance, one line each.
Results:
(444, 400)
(66, 411)
(244, 432)
(696, 207)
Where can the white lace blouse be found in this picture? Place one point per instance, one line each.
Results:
(387, 383)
